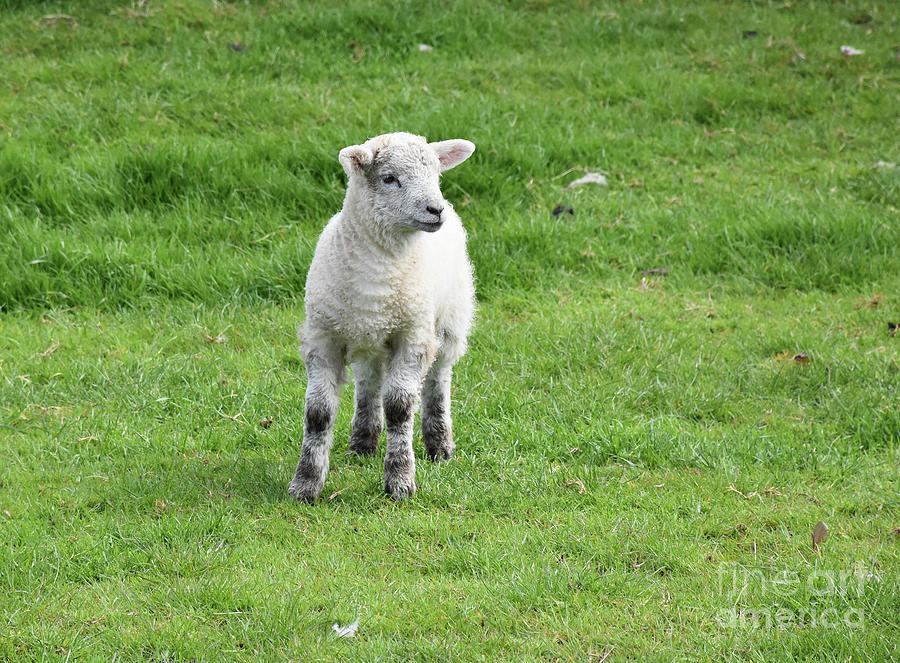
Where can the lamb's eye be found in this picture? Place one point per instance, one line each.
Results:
(390, 179)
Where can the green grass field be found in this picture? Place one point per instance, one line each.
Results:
(643, 449)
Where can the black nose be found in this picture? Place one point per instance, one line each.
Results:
(434, 210)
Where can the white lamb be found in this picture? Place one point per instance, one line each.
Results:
(393, 297)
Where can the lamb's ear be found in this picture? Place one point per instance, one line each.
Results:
(355, 159)
(452, 152)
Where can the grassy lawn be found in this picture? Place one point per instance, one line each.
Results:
(665, 390)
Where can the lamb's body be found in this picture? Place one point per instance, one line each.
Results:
(392, 296)
(362, 294)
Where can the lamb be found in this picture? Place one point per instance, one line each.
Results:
(390, 292)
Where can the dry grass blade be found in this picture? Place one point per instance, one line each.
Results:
(49, 351)
(601, 658)
(578, 484)
(50, 20)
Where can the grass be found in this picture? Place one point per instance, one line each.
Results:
(643, 449)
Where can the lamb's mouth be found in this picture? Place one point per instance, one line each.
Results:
(427, 226)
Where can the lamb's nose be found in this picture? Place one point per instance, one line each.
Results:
(434, 210)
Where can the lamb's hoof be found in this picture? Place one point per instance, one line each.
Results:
(400, 488)
(439, 451)
(363, 448)
(305, 490)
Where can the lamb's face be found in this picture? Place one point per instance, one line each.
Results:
(404, 186)
(401, 175)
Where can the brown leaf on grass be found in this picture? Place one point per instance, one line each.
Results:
(161, 506)
(870, 302)
(358, 51)
(819, 534)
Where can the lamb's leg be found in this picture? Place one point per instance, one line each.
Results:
(437, 430)
(401, 392)
(324, 368)
(368, 415)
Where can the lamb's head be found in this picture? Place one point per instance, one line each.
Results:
(396, 178)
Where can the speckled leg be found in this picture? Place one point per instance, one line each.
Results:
(368, 415)
(324, 370)
(437, 429)
(401, 393)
